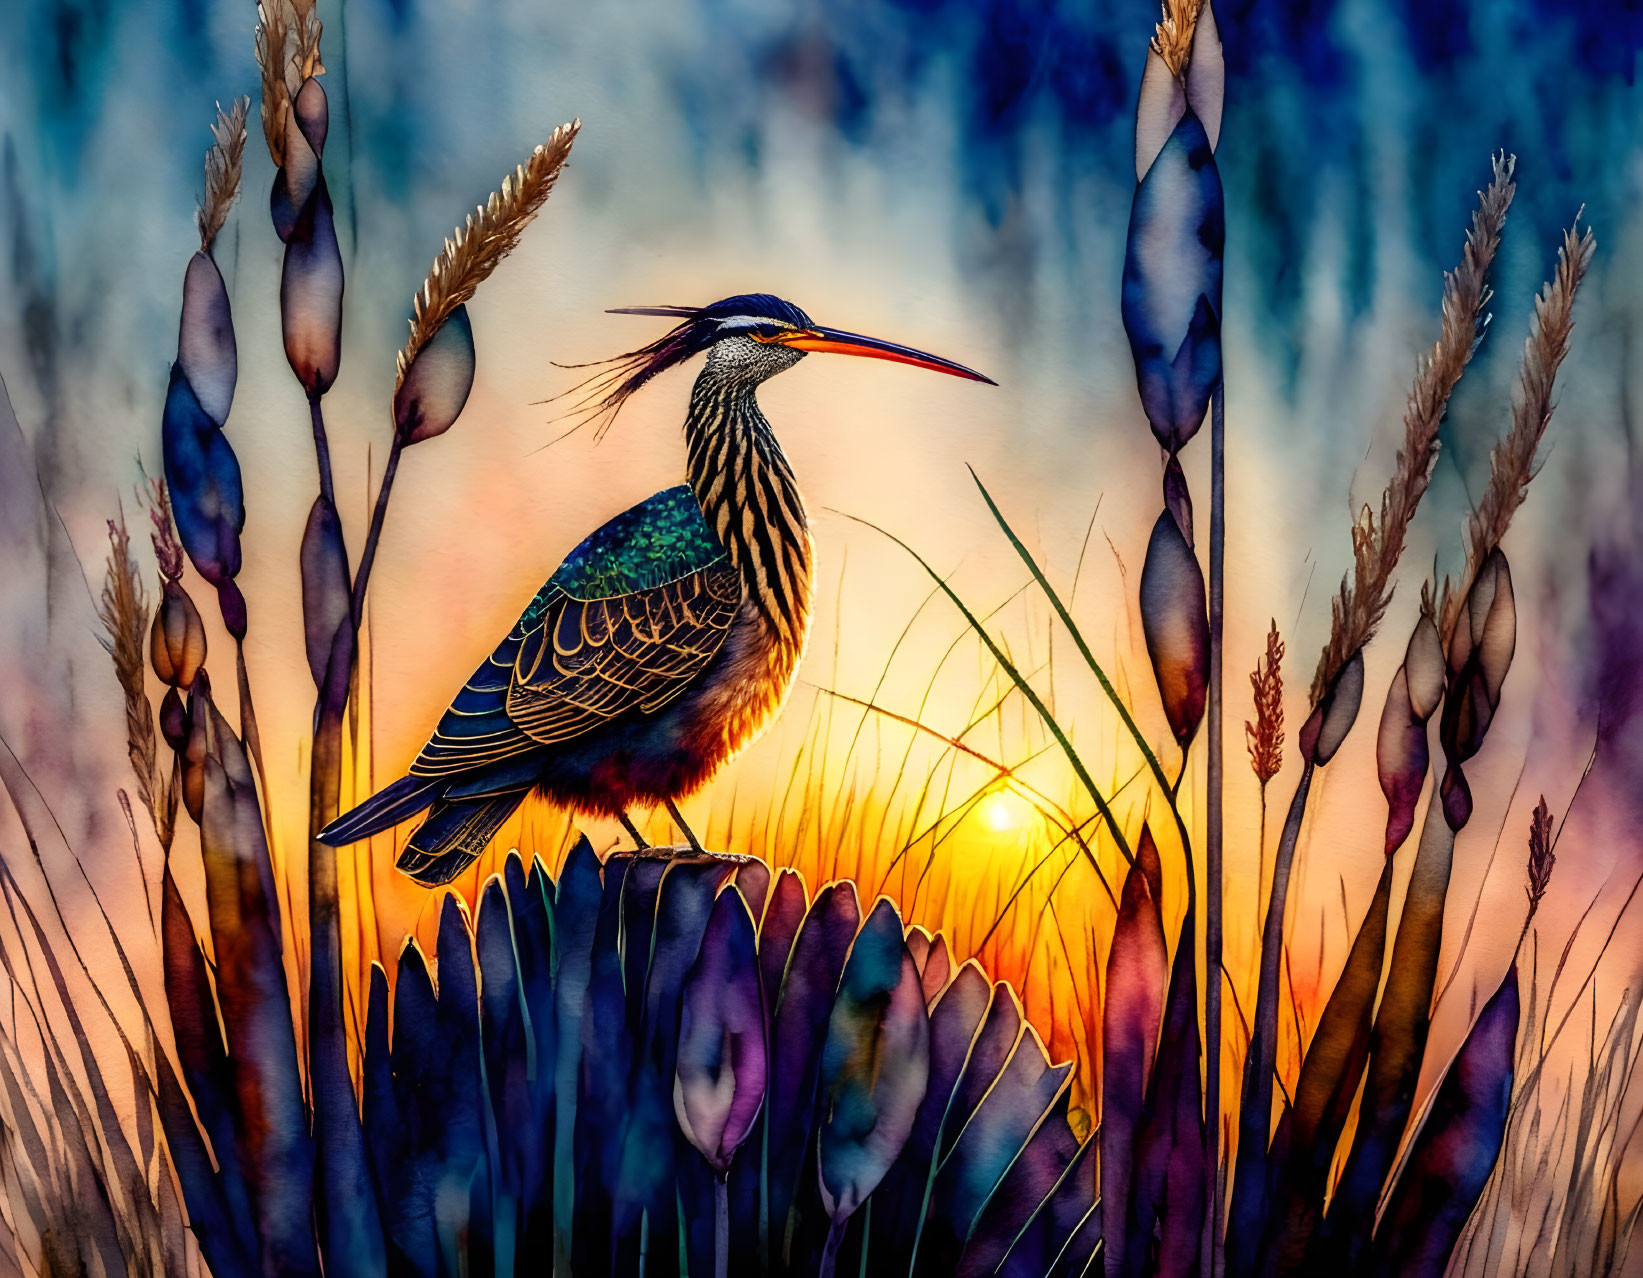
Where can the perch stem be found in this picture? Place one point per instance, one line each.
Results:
(1212, 832)
(322, 449)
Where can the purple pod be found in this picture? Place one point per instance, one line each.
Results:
(1175, 620)
(436, 385)
(311, 294)
(1337, 710)
(299, 172)
(203, 477)
(193, 751)
(174, 721)
(1172, 283)
(1401, 756)
(326, 604)
(1177, 497)
(205, 338)
(176, 641)
(1480, 654)
(1423, 662)
(231, 603)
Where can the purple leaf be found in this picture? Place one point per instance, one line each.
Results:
(1131, 1014)
(1455, 1151)
(875, 1064)
(719, 1081)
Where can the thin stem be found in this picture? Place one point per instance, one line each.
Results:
(1212, 832)
(322, 449)
(1255, 1111)
(830, 1252)
(368, 555)
(248, 722)
(721, 1226)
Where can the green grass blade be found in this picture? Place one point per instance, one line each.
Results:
(1027, 690)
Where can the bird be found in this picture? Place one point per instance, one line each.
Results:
(668, 640)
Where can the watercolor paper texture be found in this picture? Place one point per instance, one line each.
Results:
(885, 638)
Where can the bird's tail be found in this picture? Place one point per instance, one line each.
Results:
(399, 802)
(456, 831)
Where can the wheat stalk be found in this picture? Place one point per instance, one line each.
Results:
(1512, 461)
(1172, 40)
(492, 232)
(1377, 542)
(287, 45)
(222, 170)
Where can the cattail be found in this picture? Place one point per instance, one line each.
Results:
(1337, 687)
(1265, 736)
(1512, 462)
(435, 370)
(1541, 856)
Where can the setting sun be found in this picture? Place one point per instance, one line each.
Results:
(1001, 812)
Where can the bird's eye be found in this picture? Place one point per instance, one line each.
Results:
(766, 332)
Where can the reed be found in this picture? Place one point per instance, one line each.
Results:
(1337, 687)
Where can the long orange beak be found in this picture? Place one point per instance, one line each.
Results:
(833, 341)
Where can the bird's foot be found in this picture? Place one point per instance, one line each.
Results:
(690, 837)
(639, 840)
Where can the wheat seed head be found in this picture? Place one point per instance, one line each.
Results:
(1512, 462)
(222, 169)
(1378, 540)
(491, 232)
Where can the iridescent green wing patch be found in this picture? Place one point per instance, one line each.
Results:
(660, 540)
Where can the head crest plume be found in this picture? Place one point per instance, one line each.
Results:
(620, 376)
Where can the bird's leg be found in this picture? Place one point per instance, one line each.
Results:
(690, 838)
(639, 840)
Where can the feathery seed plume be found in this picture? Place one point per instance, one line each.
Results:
(1265, 735)
(1377, 542)
(1512, 461)
(222, 170)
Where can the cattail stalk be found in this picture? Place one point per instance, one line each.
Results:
(1479, 642)
(1377, 544)
(469, 256)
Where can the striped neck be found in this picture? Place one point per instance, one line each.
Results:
(750, 499)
